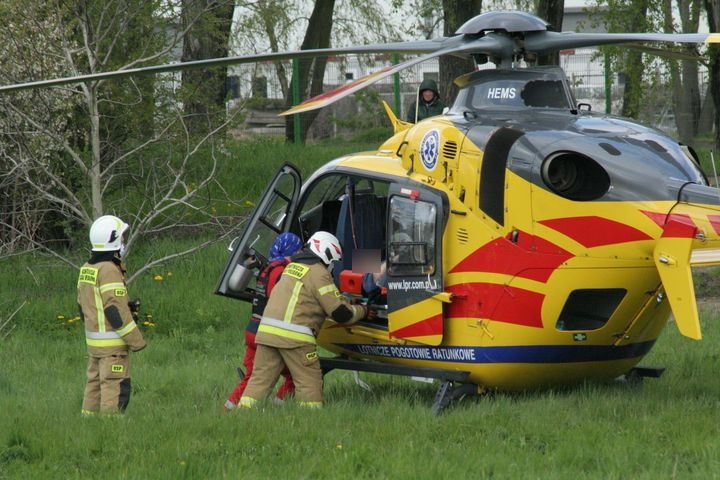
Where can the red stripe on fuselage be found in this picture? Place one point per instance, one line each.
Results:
(595, 231)
(662, 218)
(429, 326)
(715, 222)
(498, 302)
(679, 229)
(529, 257)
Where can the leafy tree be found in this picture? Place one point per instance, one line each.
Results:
(274, 25)
(552, 11)
(311, 72)
(208, 24)
(684, 73)
(72, 153)
(712, 9)
(455, 13)
(641, 76)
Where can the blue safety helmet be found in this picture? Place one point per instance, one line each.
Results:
(285, 245)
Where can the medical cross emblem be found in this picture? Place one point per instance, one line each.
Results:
(429, 148)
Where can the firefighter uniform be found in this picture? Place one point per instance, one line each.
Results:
(266, 280)
(304, 296)
(110, 332)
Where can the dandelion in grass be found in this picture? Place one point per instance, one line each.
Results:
(158, 278)
(148, 322)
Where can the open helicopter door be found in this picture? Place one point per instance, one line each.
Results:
(272, 216)
(415, 296)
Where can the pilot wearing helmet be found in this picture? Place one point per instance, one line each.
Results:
(302, 299)
(110, 330)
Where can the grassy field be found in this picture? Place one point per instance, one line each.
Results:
(175, 426)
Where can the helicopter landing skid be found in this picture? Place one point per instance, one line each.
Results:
(445, 394)
(636, 374)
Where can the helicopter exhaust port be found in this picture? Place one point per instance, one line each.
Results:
(575, 176)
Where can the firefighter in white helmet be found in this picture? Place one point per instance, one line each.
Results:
(110, 330)
(302, 299)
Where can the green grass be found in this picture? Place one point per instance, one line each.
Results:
(175, 427)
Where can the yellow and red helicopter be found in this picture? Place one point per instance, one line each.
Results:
(529, 242)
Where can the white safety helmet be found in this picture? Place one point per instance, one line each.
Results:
(325, 246)
(106, 233)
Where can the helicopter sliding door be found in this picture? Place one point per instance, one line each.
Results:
(272, 216)
(414, 265)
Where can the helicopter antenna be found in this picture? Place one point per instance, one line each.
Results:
(417, 102)
(712, 160)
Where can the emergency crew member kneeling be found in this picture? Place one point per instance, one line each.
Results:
(303, 297)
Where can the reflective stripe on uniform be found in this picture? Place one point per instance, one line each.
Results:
(327, 289)
(118, 287)
(290, 309)
(310, 404)
(127, 328)
(116, 342)
(247, 402)
(286, 326)
(103, 339)
(286, 330)
(100, 309)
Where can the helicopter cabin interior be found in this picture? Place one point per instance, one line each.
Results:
(374, 227)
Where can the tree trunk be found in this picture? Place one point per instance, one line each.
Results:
(205, 90)
(552, 11)
(455, 13)
(632, 92)
(712, 8)
(687, 109)
(312, 71)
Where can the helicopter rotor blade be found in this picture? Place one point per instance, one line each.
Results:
(544, 42)
(458, 46)
(420, 46)
(502, 35)
(665, 53)
(332, 96)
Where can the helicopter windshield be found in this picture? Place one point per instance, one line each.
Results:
(514, 88)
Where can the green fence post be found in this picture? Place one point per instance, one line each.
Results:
(396, 84)
(608, 84)
(296, 98)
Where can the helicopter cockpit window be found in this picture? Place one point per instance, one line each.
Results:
(544, 93)
(500, 93)
(411, 246)
(537, 88)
